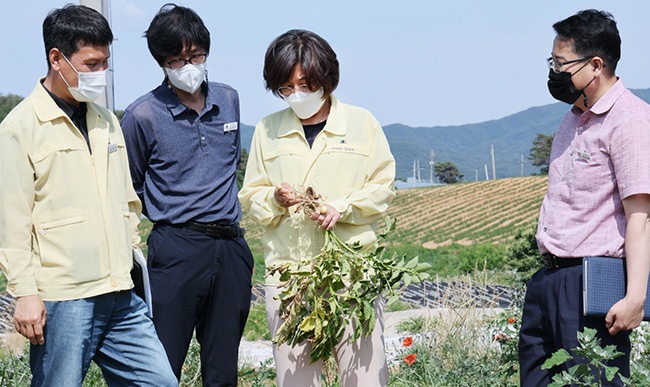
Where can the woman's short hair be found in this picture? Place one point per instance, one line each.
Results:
(312, 53)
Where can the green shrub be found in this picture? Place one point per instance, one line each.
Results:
(592, 359)
(522, 254)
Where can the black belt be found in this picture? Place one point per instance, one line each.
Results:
(553, 262)
(216, 230)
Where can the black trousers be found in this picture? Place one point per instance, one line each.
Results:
(551, 319)
(203, 283)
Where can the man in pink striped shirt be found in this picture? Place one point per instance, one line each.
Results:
(598, 199)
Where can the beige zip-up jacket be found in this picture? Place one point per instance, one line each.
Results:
(68, 218)
(350, 165)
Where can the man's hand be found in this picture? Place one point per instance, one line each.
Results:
(625, 315)
(29, 318)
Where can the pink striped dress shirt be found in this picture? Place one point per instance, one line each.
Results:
(598, 158)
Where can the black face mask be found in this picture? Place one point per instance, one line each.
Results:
(561, 86)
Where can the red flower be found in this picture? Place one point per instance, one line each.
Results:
(410, 359)
(511, 320)
(407, 341)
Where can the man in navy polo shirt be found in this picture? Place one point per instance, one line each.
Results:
(184, 147)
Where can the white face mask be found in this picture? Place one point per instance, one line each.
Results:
(188, 78)
(90, 85)
(304, 104)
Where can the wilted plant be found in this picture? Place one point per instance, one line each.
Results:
(344, 280)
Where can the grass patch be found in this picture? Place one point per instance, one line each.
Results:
(256, 326)
(478, 260)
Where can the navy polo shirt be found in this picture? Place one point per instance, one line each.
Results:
(182, 163)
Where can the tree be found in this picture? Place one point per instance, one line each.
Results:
(540, 153)
(8, 102)
(241, 168)
(448, 173)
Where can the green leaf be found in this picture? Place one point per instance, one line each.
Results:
(407, 279)
(392, 299)
(308, 324)
(285, 276)
(610, 372)
(412, 264)
(562, 379)
(588, 335)
(559, 357)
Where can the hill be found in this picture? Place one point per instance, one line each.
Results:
(466, 213)
(468, 146)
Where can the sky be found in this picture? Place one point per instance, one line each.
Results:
(414, 62)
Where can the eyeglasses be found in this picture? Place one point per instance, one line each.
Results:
(556, 66)
(286, 91)
(195, 60)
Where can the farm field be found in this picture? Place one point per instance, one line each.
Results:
(467, 213)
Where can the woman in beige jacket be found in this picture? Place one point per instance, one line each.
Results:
(340, 151)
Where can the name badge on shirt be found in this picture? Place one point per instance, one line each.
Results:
(229, 127)
(584, 155)
(112, 147)
(342, 148)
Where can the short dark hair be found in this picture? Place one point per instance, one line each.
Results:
(173, 28)
(72, 27)
(312, 53)
(592, 33)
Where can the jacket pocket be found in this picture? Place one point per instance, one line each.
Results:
(68, 246)
(285, 164)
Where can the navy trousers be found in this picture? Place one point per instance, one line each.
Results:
(551, 319)
(203, 283)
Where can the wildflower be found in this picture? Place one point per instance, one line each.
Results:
(410, 359)
(511, 320)
(407, 341)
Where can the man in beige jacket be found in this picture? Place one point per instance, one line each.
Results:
(68, 218)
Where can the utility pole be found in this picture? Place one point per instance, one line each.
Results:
(522, 165)
(487, 177)
(431, 164)
(414, 175)
(476, 175)
(494, 170)
(107, 99)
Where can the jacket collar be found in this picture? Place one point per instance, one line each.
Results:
(47, 110)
